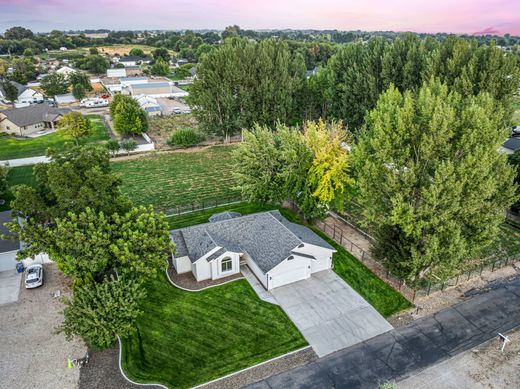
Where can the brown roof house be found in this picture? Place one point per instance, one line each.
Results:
(28, 120)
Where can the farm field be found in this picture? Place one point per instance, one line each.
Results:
(124, 49)
(13, 148)
(181, 178)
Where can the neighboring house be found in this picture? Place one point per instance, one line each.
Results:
(66, 70)
(277, 251)
(28, 120)
(26, 95)
(116, 72)
(8, 248)
(511, 145)
(133, 60)
(149, 105)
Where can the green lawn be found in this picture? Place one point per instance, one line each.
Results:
(12, 148)
(168, 180)
(18, 176)
(188, 338)
(385, 299)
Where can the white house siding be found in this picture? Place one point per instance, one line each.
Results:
(201, 268)
(255, 269)
(182, 264)
(323, 257)
(30, 96)
(216, 265)
(289, 271)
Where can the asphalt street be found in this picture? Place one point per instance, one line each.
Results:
(399, 353)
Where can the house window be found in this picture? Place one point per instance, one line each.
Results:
(227, 264)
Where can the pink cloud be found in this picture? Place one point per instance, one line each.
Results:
(458, 16)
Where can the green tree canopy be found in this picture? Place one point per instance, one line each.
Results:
(75, 125)
(129, 117)
(55, 84)
(4, 170)
(162, 53)
(136, 52)
(10, 91)
(431, 180)
(160, 68)
(99, 312)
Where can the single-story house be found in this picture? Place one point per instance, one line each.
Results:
(66, 70)
(131, 60)
(8, 248)
(277, 251)
(116, 72)
(26, 95)
(31, 119)
(511, 145)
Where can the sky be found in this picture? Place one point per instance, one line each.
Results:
(455, 16)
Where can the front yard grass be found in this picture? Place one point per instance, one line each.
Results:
(180, 178)
(188, 338)
(13, 148)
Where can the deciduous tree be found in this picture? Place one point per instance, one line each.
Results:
(431, 180)
(55, 84)
(75, 125)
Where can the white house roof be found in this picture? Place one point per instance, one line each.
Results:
(267, 237)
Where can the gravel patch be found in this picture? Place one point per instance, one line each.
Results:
(103, 371)
(438, 301)
(188, 281)
(32, 355)
(258, 373)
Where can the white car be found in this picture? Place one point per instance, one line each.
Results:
(34, 276)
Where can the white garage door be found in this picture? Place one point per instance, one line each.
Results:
(297, 274)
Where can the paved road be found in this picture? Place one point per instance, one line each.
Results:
(329, 313)
(398, 353)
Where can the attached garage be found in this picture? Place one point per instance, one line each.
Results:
(288, 277)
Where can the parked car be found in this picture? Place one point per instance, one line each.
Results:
(105, 96)
(34, 276)
(177, 110)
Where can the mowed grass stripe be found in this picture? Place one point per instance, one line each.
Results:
(187, 338)
(169, 180)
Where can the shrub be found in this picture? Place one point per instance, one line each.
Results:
(186, 137)
(113, 146)
(128, 145)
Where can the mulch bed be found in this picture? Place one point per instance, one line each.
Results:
(188, 281)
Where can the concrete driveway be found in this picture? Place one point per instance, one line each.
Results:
(329, 313)
(9, 286)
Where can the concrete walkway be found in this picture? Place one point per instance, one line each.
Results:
(402, 352)
(256, 285)
(25, 161)
(329, 313)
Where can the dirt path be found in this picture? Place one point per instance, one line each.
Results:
(31, 354)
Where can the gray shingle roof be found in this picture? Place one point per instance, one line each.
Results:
(19, 87)
(33, 114)
(267, 237)
(512, 143)
(216, 254)
(7, 245)
(223, 216)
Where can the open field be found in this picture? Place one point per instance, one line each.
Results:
(168, 180)
(13, 148)
(124, 49)
(188, 338)
(162, 127)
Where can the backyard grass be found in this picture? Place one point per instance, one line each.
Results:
(385, 299)
(13, 148)
(188, 338)
(17, 176)
(168, 180)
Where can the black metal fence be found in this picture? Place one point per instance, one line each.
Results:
(195, 206)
